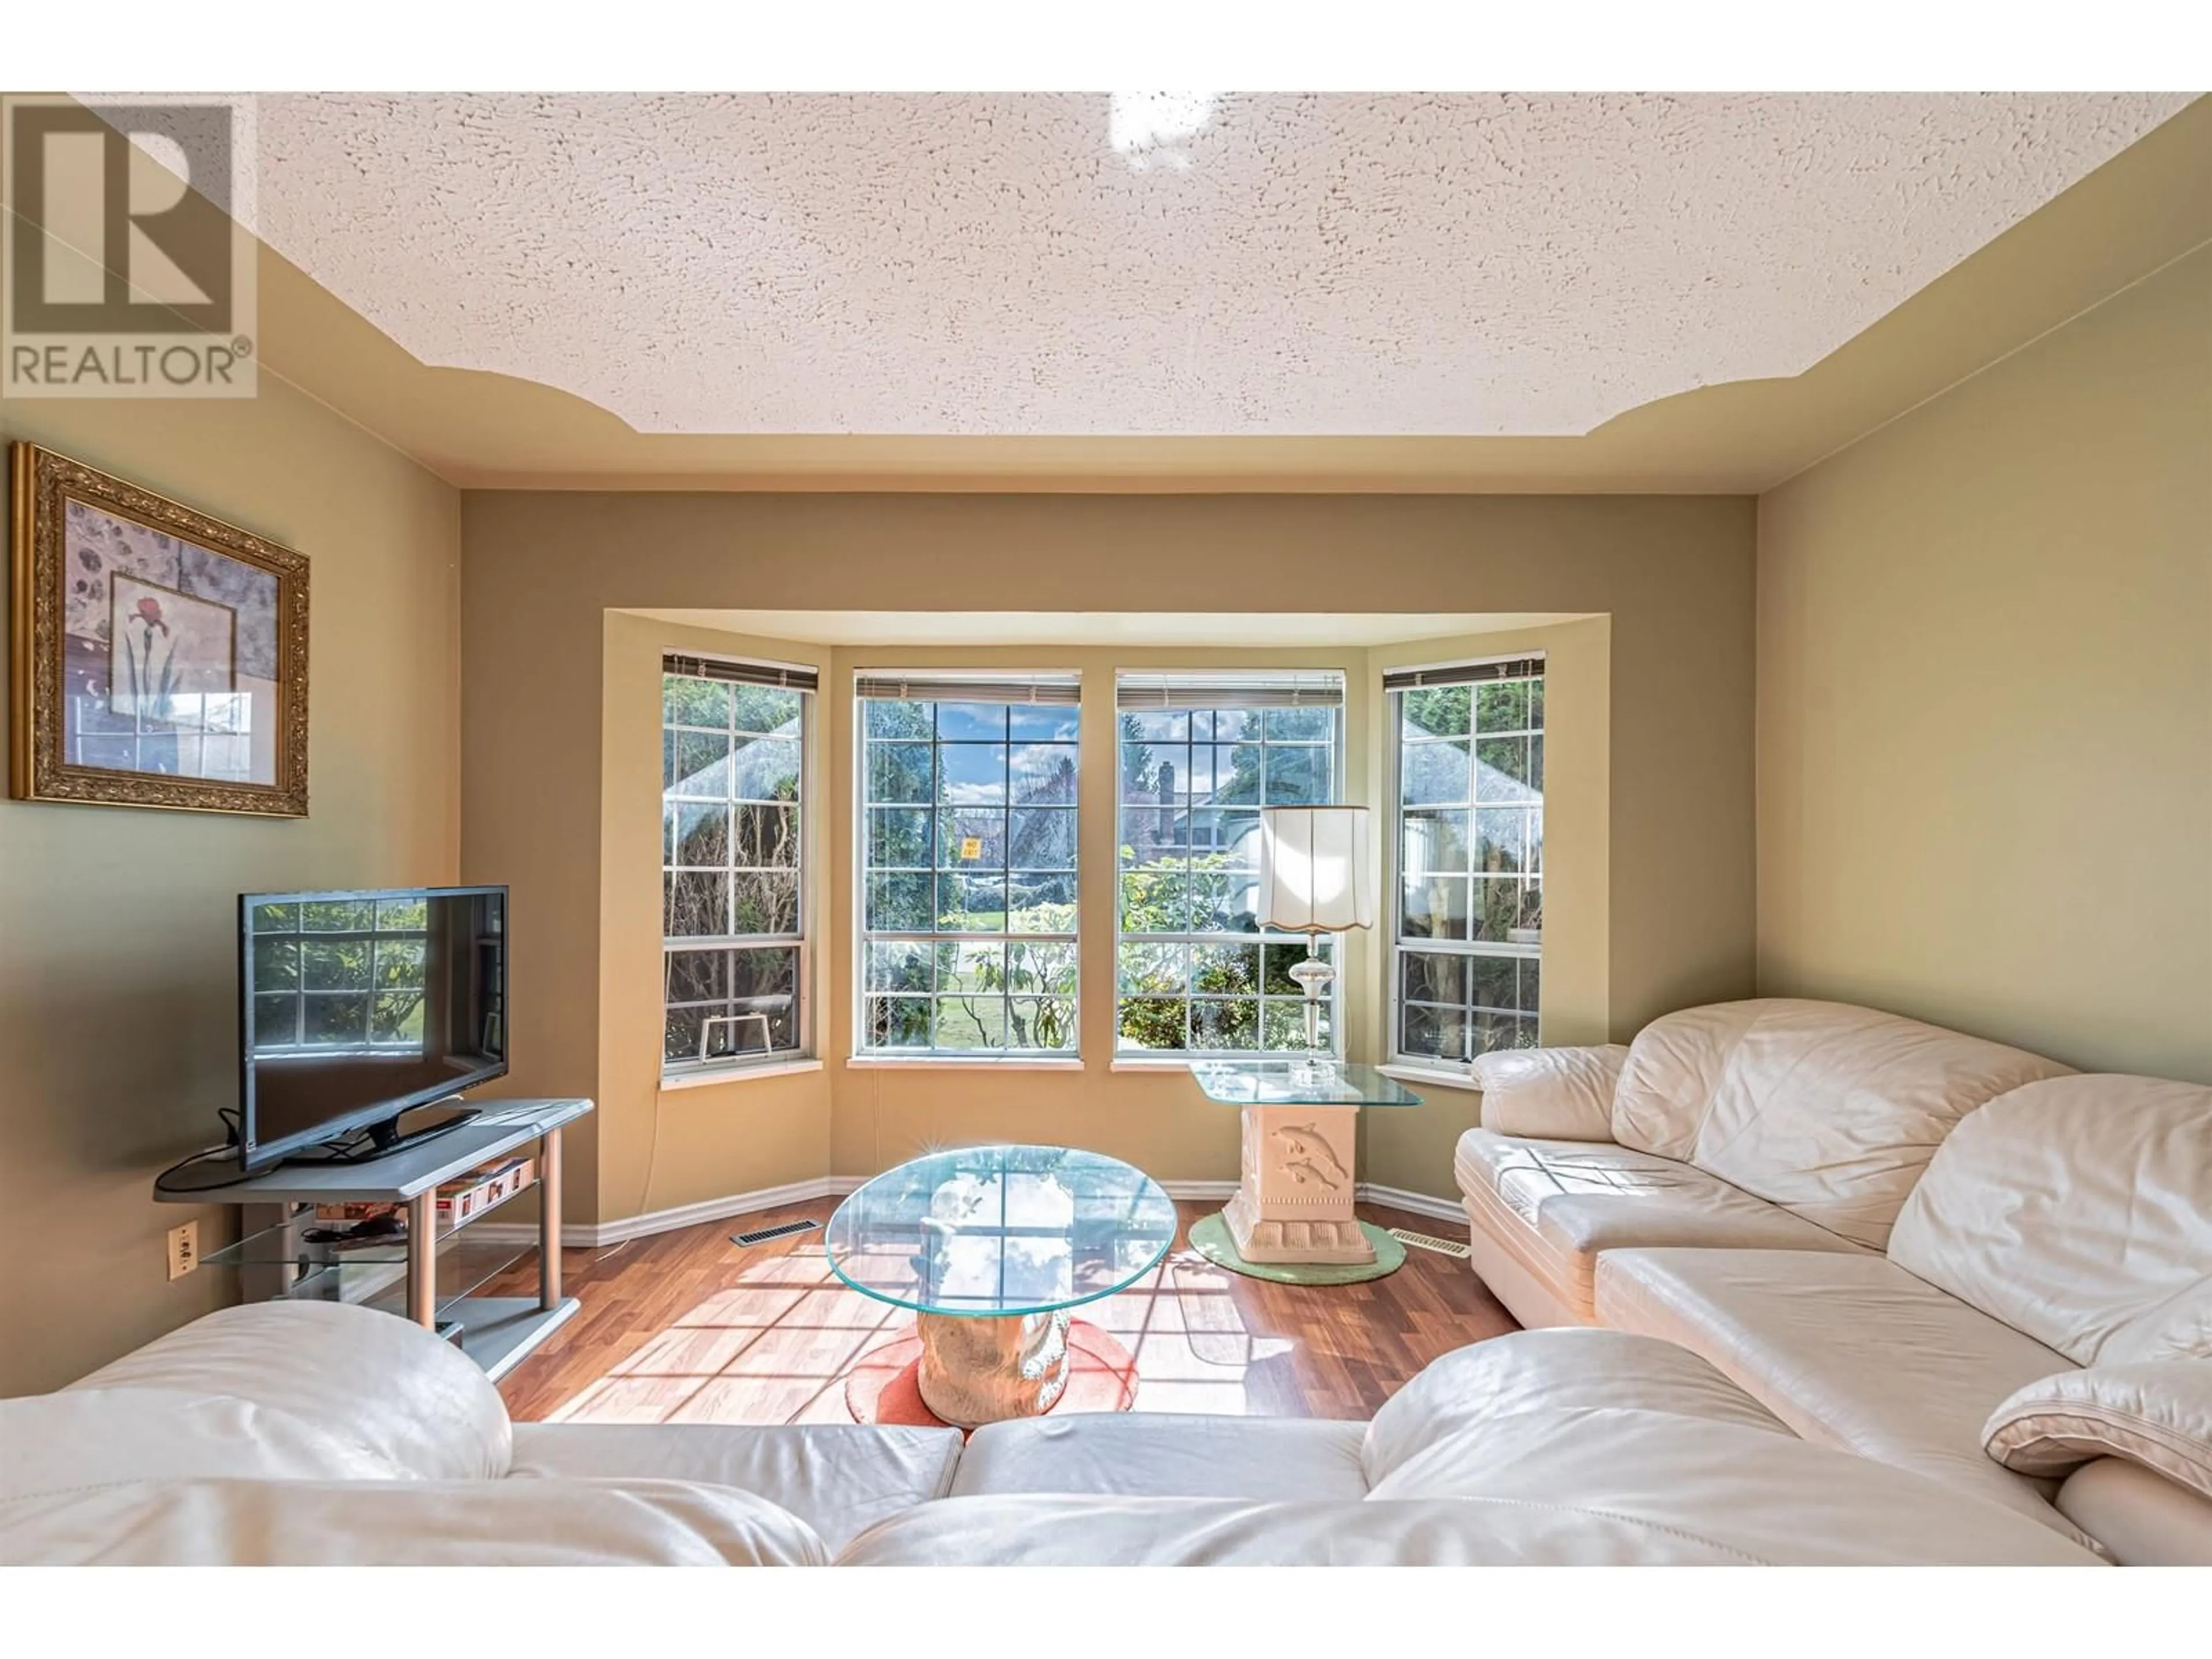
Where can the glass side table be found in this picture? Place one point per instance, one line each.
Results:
(1293, 1202)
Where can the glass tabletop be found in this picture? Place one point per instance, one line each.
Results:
(1279, 1083)
(1001, 1230)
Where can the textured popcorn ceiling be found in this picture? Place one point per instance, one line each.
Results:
(1148, 262)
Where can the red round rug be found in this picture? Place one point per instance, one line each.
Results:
(1102, 1377)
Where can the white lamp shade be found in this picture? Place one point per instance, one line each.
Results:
(1316, 871)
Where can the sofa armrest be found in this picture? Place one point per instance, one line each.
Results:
(1550, 1094)
(380, 1384)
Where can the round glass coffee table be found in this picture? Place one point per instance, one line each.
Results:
(991, 1246)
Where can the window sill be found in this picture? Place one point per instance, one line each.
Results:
(1423, 1075)
(956, 1063)
(737, 1074)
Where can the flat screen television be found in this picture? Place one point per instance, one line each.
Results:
(355, 1007)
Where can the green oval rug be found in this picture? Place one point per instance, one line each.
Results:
(1211, 1239)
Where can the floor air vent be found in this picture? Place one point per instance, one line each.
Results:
(786, 1231)
(1450, 1247)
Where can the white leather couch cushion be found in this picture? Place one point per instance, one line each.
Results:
(426, 1523)
(2141, 1520)
(1829, 1110)
(2079, 1211)
(2158, 1414)
(839, 1479)
(1556, 1204)
(1485, 1386)
(1782, 1502)
(1753, 1488)
(1851, 1350)
(1199, 1532)
(1551, 1094)
(386, 1385)
(1157, 1454)
(1018, 1531)
(81, 1438)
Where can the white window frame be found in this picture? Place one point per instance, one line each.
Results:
(801, 680)
(1263, 939)
(1399, 945)
(926, 685)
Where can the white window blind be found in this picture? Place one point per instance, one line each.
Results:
(1464, 673)
(791, 676)
(1263, 690)
(1056, 690)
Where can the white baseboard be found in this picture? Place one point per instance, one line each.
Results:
(574, 1235)
(1397, 1198)
(595, 1236)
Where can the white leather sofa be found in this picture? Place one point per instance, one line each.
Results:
(317, 1433)
(1879, 1229)
(244, 1416)
(1877, 1293)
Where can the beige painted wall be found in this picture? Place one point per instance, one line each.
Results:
(1985, 699)
(118, 926)
(1671, 575)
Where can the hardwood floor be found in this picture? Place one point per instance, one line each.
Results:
(689, 1327)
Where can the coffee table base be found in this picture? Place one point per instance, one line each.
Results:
(884, 1384)
(982, 1370)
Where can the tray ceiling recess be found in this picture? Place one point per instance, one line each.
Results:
(1150, 264)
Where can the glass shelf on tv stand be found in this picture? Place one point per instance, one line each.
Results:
(305, 1258)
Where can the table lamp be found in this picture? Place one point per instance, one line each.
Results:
(1316, 876)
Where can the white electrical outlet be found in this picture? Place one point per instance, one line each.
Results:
(184, 1248)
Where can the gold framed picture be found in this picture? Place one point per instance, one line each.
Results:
(160, 655)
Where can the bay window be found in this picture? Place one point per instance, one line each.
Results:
(1468, 908)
